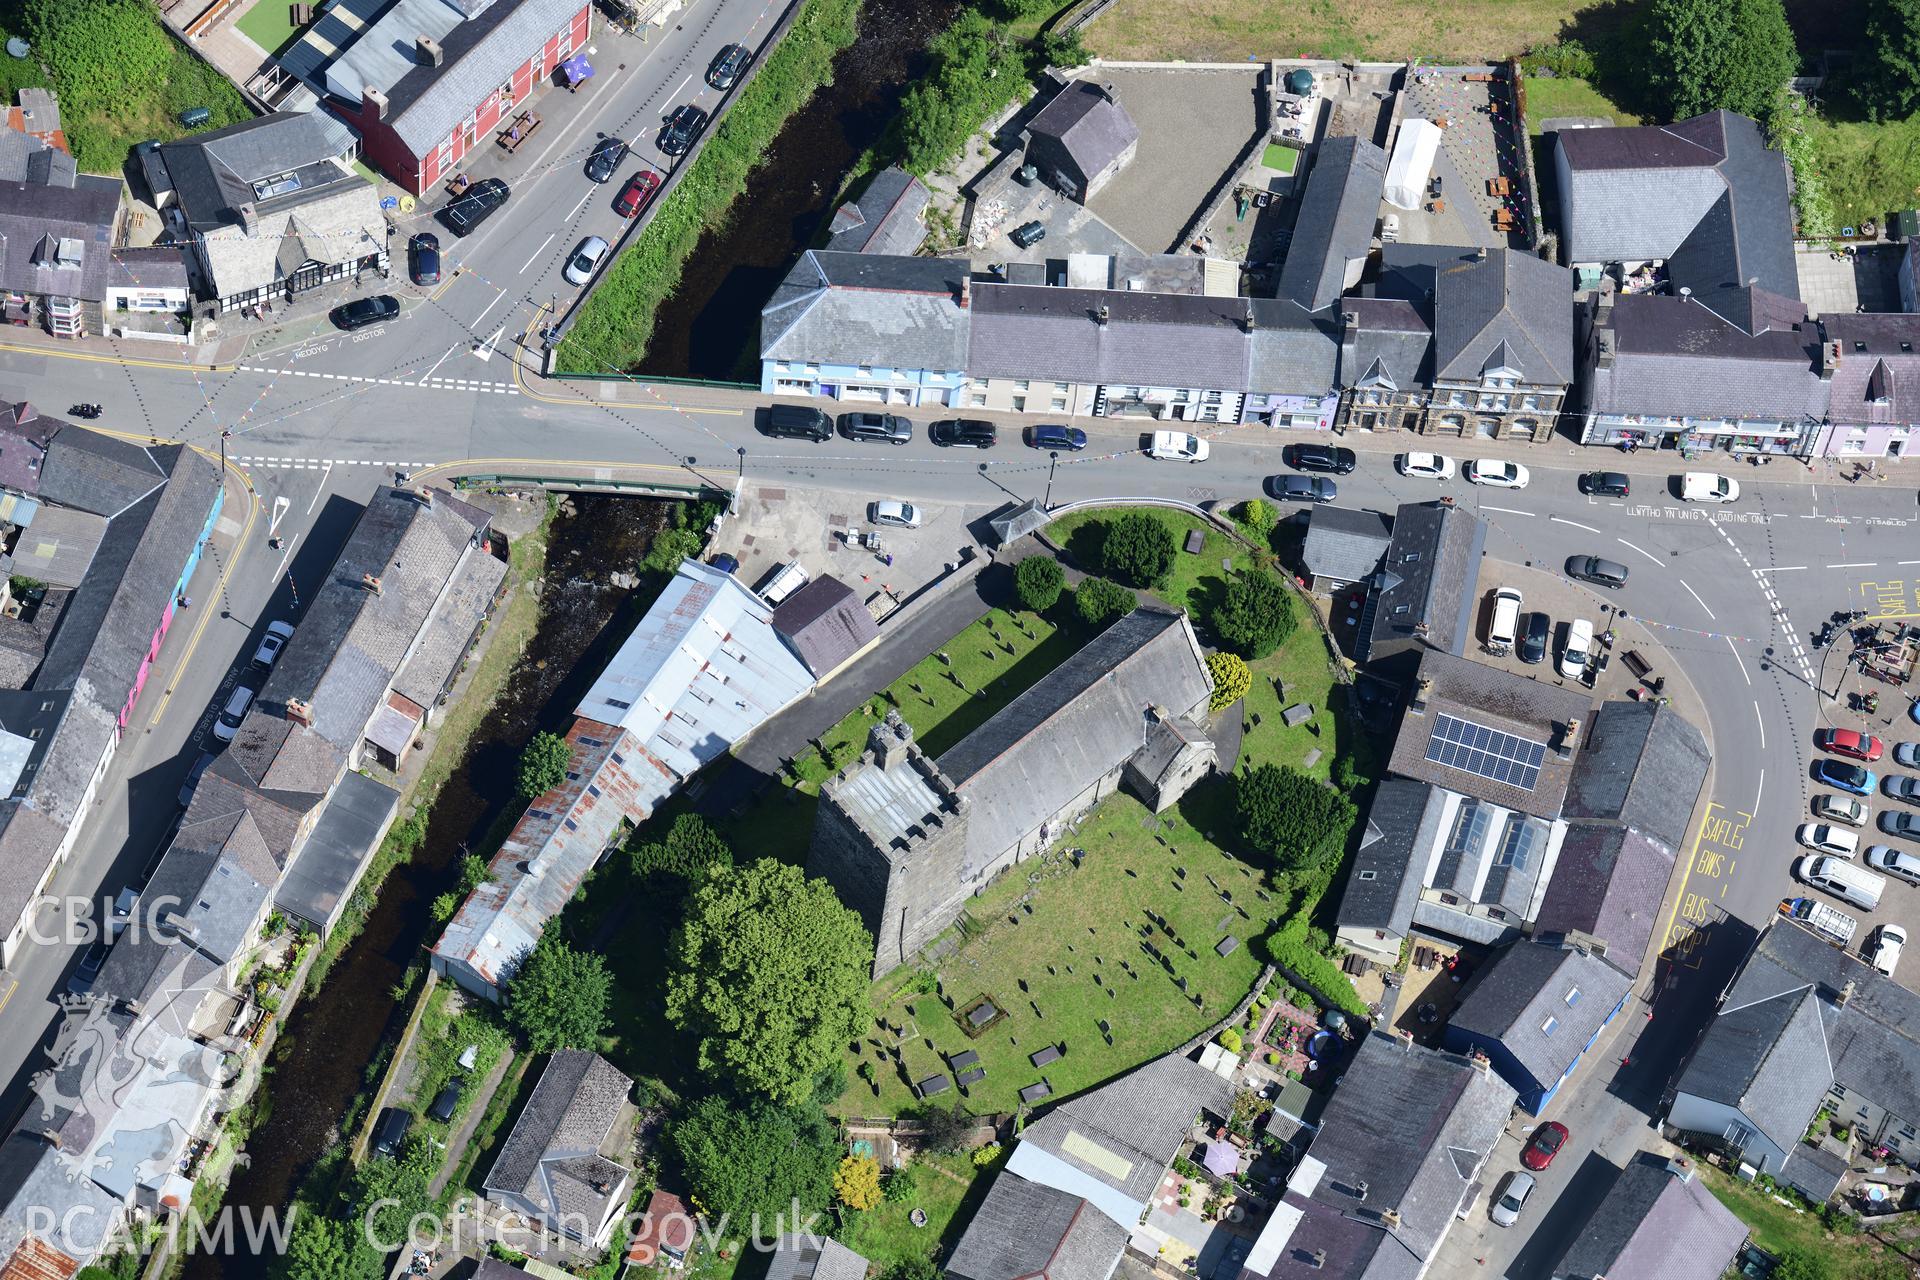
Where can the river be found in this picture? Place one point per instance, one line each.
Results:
(710, 327)
(321, 1060)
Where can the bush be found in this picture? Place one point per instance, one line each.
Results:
(753, 1157)
(1255, 616)
(1230, 1040)
(986, 1155)
(544, 764)
(943, 1130)
(1231, 680)
(1258, 518)
(1100, 602)
(1292, 818)
(557, 999)
(977, 70)
(1567, 58)
(1137, 549)
(1289, 949)
(1347, 775)
(690, 847)
(1039, 580)
(857, 1182)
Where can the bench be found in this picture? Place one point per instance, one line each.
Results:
(524, 126)
(1640, 667)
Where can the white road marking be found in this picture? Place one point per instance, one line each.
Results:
(490, 306)
(1790, 568)
(1907, 562)
(537, 252)
(437, 363)
(1648, 554)
(1507, 511)
(1575, 523)
(316, 495)
(593, 191)
(1696, 596)
(1759, 787)
(1762, 722)
(1856, 564)
(1737, 658)
(286, 555)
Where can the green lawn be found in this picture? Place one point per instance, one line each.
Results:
(1551, 96)
(1280, 159)
(1869, 169)
(268, 24)
(1195, 583)
(1777, 1227)
(938, 1185)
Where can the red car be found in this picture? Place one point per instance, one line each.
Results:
(637, 194)
(1544, 1145)
(1849, 742)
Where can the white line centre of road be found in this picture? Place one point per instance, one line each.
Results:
(1507, 511)
(1759, 787)
(1856, 564)
(1782, 568)
(537, 252)
(1648, 554)
(483, 311)
(1737, 658)
(1697, 599)
(1575, 523)
(1762, 722)
(583, 201)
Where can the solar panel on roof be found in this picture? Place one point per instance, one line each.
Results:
(1488, 753)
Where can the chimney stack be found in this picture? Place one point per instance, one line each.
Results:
(429, 52)
(373, 103)
(249, 218)
(966, 292)
(371, 582)
(1390, 1219)
(1101, 314)
(1681, 1168)
(300, 711)
(1480, 254)
(1846, 993)
(1422, 690)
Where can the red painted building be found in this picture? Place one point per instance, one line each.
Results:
(428, 82)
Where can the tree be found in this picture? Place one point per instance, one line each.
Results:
(445, 907)
(977, 68)
(916, 1267)
(323, 1248)
(1100, 602)
(1255, 616)
(558, 997)
(1138, 549)
(1231, 680)
(474, 872)
(1039, 580)
(1291, 817)
(544, 764)
(857, 1182)
(1259, 518)
(1702, 55)
(752, 1159)
(1887, 80)
(401, 1181)
(771, 975)
(942, 1129)
(1798, 1262)
(690, 847)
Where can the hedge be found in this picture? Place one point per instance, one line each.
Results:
(1289, 949)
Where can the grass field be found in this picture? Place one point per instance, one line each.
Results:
(1869, 168)
(1777, 1227)
(937, 1185)
(1377, 30)
(267, 25)
(1550, 96)
(1195, 583)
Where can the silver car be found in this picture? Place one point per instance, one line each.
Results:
(1512, 1198)
(585, 260)
(900, 515)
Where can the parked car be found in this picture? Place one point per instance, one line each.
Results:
(1177, 446)
(1853, 778)
(605, 158)
(682, 127)
(963, 433)
(227, 723)
(268, 652)
(887, 428)
(1822, 838)
(1884, 952)
(1425, 466)
(1504, 628)
(1896, 823)
(192, 783)
(1902, 786)
(1544, 1145)
(1576, 648)
(1514, 1190)
(1602, 573)
(799, 421)
(423, 258)
(1605, 484)
(1028, 234)
(1497, 474)
(393, 1126)
(1850, 743)
(464, 214)
(901, 515)
(1320, 457)
(1705, 486)
(1534, 631)
(585, 260)
(1847, 809)
(447, 1101)
(1907, 753)
(362, 312)
(89, 968)
(727, 66)
(1053, 436)
(1895, 862)
(1301, 489)
(637, 194)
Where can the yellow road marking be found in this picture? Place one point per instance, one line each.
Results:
(90, 358)
(1686, 877)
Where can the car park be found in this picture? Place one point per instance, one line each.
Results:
(268, 652)
(464, 214)
(1054, 436)
(1847, 809)
(1850, 743)
(1320, 457)
(192, 782)
(362, 312)
(1544, 1145)
(1177, 446)
(423, 258)
(1853, 778)
(900, 515)
(1576, 648)
(1901, 786)
(1425, 466)
(227, 723)
(637, 194)
(1504, 628)
(682, 127)
(1535, 629)
(1897, 822)
(1883, 953)
(727, 65)
(886, 428)
(1512, 1198)
(1605, 484)
(1028, 234)
(585, 260)
(1498, 475)
(799, 421)
(1600, 572)
(963, 433)
(1301, 489)
(1705, 486)
(1896, 862)
(1822, 838)
(605, 158)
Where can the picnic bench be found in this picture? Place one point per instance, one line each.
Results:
(524, 126)
(1503, 220)
(1479, 77)
(1499, 186)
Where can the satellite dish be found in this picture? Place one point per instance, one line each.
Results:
(17, 47)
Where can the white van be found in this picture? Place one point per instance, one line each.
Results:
(1853, 885)
(1506, 621)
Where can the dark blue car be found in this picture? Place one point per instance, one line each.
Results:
(1857, 779)
(1053, 436)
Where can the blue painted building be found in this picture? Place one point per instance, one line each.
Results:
(872, 329)
(1534, 1011)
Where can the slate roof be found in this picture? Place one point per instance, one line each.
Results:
(1389, 339)
(317, 886)
(443, 643)
(884, 218)
(868, 309)
(38, 1191)
(36, 218)
(1877, 378)
(1609, 883)
(217, 884)
(1425, 593)
(561, 1142)
(808, 1257)
(1094, 129)
(1292, 353)
(25, 433)
(1081, 720)
(1654, 1224)
(292, 155)
(1026, 1231)
(155, 266)
(1345, 543)
(1677, 357)
(1335, 223)
(337, 224)
(96, 472)
(1487, 306)
(824, 623)
(1529, 983)
(1642, 765)
(1149, 339)
(59, 547)
(1382, 885)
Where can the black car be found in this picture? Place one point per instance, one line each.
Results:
(605, 158)
(887, 428)
(192, 784)
(683, 126)
(362, 312)
(474, 206)
(1055, 436)
(423, 258)
(963, 433)
(1301, 489)
(446, 1101)
(393, 1126)
(1319, 457)
(727, 66)
(1028, 234)
(1602, 573)
(1531, 645)
(1610, 484)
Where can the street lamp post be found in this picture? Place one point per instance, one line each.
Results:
(1053, 460)
(739, 475)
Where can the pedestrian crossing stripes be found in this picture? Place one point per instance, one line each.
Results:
(431, 384)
